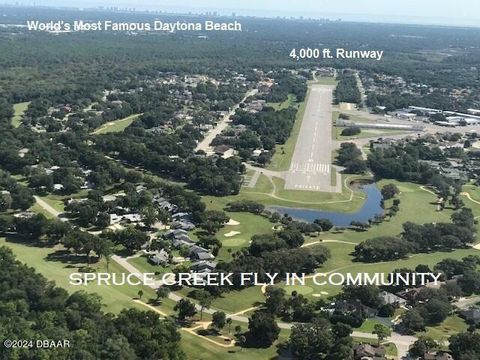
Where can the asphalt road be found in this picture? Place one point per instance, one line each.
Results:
(310, 168)
(222, 125)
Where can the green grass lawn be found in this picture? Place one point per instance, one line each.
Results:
(324, 80)
(117, 125)
(451, 325)
(285, 104)
(250, 225)
(55, 201)
(368, 325)
(473, 190)
(283, 153)
(262, 193)
(18, 111)
(235, 301)
(365, 133)
(416, 205)
(115, 298)
(263, 185)
(142, 264)
(40, 210)
(383, 267)
(198, 349)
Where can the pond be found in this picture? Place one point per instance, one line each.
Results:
(369, 210)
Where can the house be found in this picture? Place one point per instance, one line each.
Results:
(409, 294)
(350, 306)
(181, 216)
(222, 150)
(58, 187)
(203, 266)
(158, 258)
(392, 299)
(164, 204)
(199, 253)
(23, 152)
(182, 240)
(439, 355)
(132, 218)
(24, 215)
(115, 219)
(471, 315)
(368, 352)
(185, 225)
(173, 234)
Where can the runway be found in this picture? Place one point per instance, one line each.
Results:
(310, 168)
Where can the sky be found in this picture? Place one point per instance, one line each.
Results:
(441, 12)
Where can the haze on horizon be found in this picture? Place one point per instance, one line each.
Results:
(438, 12)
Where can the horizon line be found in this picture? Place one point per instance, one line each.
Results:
(218, 13)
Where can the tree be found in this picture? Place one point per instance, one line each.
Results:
(56, 230)
(219, 320)
(351, 131)
(22, 198)
(213, 220)
(132, 239)
(368, 295)
(105, 250)
(275, 300)
(185, 308)
(140, 294)
(381, 331)
(422, 346)
(162, 292)
(412, 321)
(6, 201)
(389, 191)
(79, 316)
(465, 346)
(205, 300)
(325, 224)
(382, 248)
(262, 329)
(311, 341)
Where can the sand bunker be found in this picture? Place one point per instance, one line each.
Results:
(232, 222)
(232, 233)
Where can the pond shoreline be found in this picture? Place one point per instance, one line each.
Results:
(369, 210)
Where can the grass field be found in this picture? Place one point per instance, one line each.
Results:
(283, 153)
(250, 225)
(40, 210)
(365, 133)
(324, 80)
(117, 125)
(18, 111)
(262, 193)
(198, 349)
(416, 205)
(451, 325)
(55, 201)
(285, 104)
(114, 298)
(368, 325)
